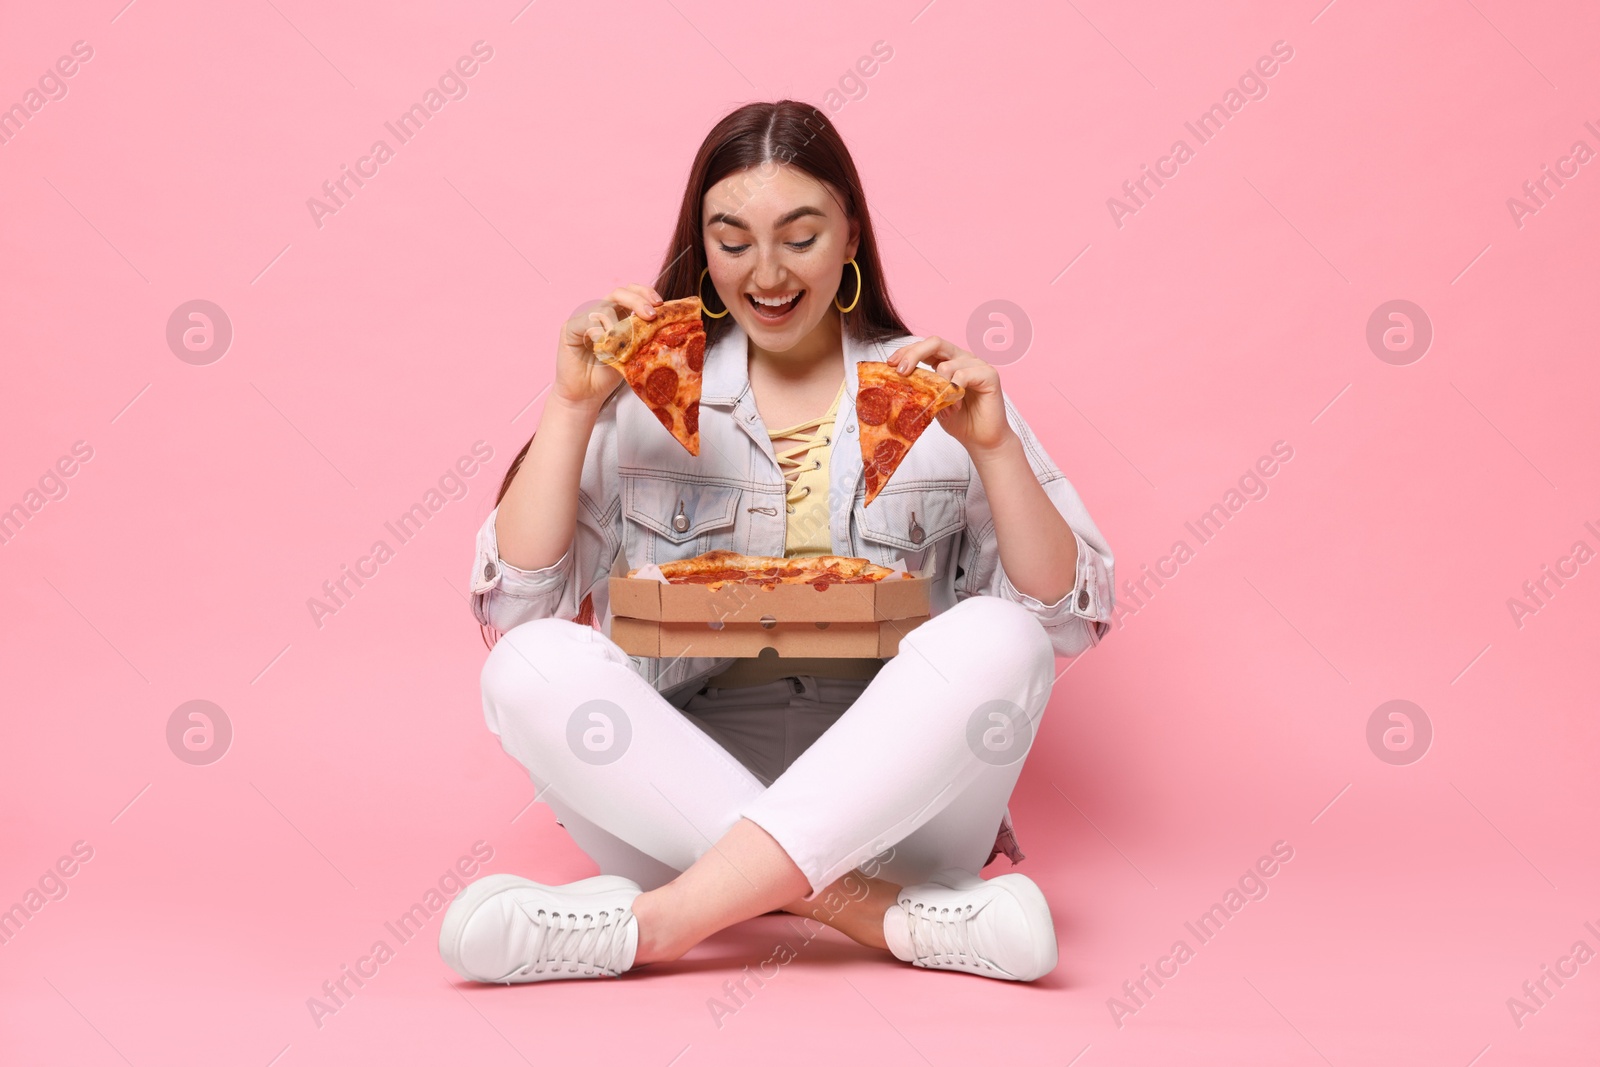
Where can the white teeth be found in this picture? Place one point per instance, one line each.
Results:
(773, 303)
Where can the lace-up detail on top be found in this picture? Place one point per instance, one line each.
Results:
(805, 474)
(795, 460)
(587, 943)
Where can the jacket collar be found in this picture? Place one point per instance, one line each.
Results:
(726, 376)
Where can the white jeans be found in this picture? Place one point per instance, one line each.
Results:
(902, 776)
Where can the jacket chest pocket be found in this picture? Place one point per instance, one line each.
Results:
(666, 519)
(905, 524)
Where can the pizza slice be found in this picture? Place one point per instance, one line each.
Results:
(661, 359)
(893, 410)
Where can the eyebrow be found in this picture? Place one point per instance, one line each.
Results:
(797, 213)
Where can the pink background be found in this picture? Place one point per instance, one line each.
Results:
(1227, 314)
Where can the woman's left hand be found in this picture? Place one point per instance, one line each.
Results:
(978, 419)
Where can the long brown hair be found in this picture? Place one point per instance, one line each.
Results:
(761, 136)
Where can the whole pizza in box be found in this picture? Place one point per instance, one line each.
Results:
(720, 567)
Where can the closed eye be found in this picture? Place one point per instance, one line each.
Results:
(798, 246)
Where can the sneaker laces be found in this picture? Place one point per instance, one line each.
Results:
(585, 943)
(943, 935)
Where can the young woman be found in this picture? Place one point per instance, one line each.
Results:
(864, 793)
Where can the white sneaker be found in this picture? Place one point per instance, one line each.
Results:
(999, 928)
(508, 929)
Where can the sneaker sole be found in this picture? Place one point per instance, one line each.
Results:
(461, 910)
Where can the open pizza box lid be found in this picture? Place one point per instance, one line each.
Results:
(651, 617)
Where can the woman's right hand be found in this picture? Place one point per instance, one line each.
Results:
(581, 377)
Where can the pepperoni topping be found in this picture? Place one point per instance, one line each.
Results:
(888, 453)
(672, 336)
(697, 352)
(691, 418)
(912, 420)
(872, 406)
(665, 416)
(661, 387)
(884, 460)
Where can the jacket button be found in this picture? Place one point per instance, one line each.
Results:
(1083, 600)
(680, 522)
(488, 571)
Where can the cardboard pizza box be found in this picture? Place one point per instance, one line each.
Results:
(849, 640)
(655, 618)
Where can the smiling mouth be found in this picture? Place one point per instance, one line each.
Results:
(774, 312)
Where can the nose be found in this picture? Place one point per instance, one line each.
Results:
(769, 272)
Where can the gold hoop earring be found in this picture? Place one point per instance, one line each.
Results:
(857, 300)
(706, 310)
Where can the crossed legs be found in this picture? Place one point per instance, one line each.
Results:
(915, 770)
(854, 904)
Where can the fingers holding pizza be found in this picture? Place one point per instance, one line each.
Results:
(581, 376)
(896, 401)
(977, 417)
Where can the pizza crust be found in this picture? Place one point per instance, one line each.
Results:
(629, 334)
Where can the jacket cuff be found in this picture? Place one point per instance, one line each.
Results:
(491, 574)
(1089, 598)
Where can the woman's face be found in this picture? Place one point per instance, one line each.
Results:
(777, 235)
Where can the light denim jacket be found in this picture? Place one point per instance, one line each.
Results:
(637, 479)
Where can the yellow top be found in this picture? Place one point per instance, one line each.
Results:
(805, 470)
